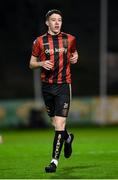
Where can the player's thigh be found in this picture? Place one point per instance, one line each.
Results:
(62, 105)
(49, 103)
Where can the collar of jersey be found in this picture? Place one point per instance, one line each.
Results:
(53, 35)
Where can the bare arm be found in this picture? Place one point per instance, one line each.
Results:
(34, 63)
(74, 57)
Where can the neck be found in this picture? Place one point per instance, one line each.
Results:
(53, 33)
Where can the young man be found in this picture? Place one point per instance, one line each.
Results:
(53, 52)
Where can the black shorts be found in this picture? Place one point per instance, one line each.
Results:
(57, 98)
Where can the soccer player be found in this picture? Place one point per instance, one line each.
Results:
(54, 51)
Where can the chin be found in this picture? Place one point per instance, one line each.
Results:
(56, 32)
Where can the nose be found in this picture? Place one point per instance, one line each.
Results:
(57, 22)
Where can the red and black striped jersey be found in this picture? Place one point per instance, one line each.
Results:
(58, 49)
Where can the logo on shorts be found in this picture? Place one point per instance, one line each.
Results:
(65, 105)
(65, 109)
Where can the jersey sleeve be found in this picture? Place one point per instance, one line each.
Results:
(36, 48)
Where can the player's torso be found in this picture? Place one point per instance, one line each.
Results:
(57, 49)
(54, 47)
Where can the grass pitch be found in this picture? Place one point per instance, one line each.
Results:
(24, 154)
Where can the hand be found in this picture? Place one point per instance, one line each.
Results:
(74, 57)
(48, 65)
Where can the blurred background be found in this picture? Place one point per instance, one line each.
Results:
(95, 77)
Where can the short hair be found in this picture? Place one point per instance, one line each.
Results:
(53, 11)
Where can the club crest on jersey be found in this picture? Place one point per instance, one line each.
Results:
(65, 43)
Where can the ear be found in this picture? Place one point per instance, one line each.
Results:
(47, 23)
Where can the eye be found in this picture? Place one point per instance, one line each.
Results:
(59, 20)
(53, 19)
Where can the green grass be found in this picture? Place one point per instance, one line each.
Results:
(24, 154)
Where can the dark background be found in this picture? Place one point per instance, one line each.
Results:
(23, 20)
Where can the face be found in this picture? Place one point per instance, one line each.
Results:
(54, 24)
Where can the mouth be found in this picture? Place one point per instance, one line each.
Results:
(56, 27)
